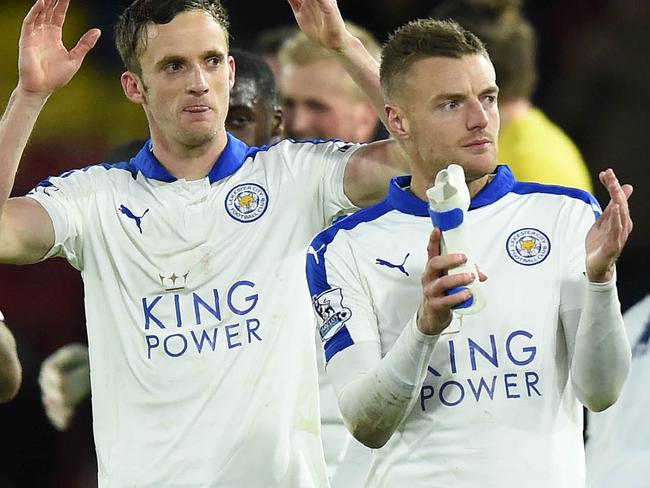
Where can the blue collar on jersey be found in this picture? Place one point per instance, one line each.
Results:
(231, 159)
(404, 201)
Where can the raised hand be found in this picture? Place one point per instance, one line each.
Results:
(607, 237)
(44, 64)
(321, 20)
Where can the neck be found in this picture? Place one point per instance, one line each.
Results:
(510, 110)
(421, 181)
(188, 162)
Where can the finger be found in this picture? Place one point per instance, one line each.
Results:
(442, 286)
(29, 23)
(447, 302)
(628, 189)
(295, 5)
(439, 265)
(50, 6)
(626, 219)
(433, 247)
(330, 9)
(85, 44)
(619, 196)
(60, 12)
(609, 180)
(481, 276)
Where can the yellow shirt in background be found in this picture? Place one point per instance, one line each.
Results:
(538, 150)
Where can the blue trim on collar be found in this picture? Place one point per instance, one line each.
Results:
(404, 201)
(231, 159)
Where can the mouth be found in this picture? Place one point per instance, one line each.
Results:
(196, 109)
(478, 143)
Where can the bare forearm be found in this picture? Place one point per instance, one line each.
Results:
(364, 70)
(10, 369)
(16, 126)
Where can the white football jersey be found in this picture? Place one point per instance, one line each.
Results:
(202, 354)
(618, 444)
(497, 407)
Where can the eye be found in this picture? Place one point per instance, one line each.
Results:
(490, 99)
(450, 105)
(238, 120)
(213, 61)
(173, 67)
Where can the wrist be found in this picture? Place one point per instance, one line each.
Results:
(29, 98)
(347, 45)
(602, 277)
(424, 324)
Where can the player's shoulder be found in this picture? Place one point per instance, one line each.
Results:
(573, 196)
(357, 225)
(95, 176)
(289, 147)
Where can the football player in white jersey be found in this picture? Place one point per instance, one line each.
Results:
(494, 400)
(202, 367)
(253, 117)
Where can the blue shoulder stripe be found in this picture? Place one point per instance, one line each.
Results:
(526, 188)
(252, 151)
(125, 166)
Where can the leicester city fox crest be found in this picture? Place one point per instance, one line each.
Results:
(329, 307)
(247, 202)
(528, 246)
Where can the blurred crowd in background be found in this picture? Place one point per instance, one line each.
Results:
(594, 77)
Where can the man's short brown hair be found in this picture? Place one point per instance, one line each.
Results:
(421, 39)
(131, 27)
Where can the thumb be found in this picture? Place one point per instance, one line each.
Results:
(85, 44)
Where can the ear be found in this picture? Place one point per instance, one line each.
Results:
(398, 123)
(133, 87)
(277, 126)
(231, 77)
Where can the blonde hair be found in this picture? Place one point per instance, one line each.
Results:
(299, 50)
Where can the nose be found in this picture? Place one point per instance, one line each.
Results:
(299, 123)
(477, 117)
(198, 83)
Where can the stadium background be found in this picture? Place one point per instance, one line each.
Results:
(594, 72)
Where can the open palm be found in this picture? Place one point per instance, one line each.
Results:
(44, 64)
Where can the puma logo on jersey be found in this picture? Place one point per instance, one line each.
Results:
(314, 252)
(132, 216)
(382, 262)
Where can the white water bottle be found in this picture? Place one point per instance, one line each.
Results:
(449, 201)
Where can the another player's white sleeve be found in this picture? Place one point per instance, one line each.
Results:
(375, 394)
(65, 200)
(598, 349)
(318, 168)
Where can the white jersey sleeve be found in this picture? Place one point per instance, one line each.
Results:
(318, 168)
(598, 350)
(65, 198)
(342, 303)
